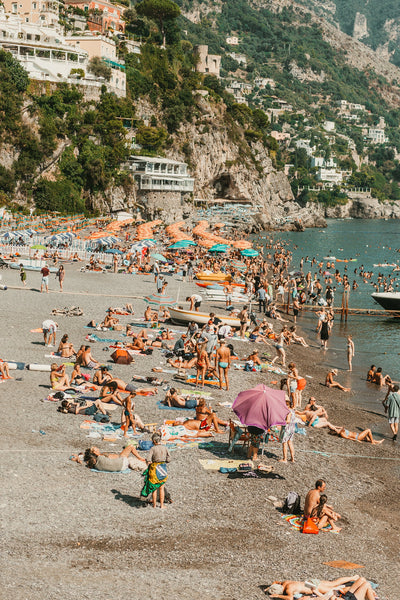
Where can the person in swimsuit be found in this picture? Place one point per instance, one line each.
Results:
(87, 359)
(280, 352)
(202, 364)
(323, 515)
(223, 362)
(58, 378)
(65, 348)
(287, 590)
(109, 393)
(371, 373)
(329, 382)
(350, 352)
(205, 419)
(172, 398)
(362, 436)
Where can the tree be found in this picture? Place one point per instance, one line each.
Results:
(159, 10)
(99, 68)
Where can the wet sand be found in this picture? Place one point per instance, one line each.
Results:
(71, 533)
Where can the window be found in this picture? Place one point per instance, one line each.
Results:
(34, 5)
(14, 8)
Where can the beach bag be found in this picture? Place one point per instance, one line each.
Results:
(301, 384)
(145, 445)
(121, 357)
(161, 471)
(291, 506)
(309, 526)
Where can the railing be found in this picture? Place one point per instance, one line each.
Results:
(65, 253)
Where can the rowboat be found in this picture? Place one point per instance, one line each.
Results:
(179, 315)
(30, 265)
(206, 284)
(219, 296)
(203, 276)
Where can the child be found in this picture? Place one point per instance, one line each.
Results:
(324, 515)
(156, 475)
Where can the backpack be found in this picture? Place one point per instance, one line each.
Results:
(292, 504)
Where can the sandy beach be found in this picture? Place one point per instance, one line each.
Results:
(71, 533)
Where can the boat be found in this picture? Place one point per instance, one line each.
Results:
(179, 315)
(31, 265)
(214, 295)
(388, 300)
(204, 276)
(206, 284)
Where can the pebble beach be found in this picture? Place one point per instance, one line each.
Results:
(70, 533)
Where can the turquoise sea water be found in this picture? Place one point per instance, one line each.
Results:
(376, 337)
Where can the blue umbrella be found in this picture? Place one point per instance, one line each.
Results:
(113, 251)
(219, 248)
(249, 252)
(159, 257)
(182, 244)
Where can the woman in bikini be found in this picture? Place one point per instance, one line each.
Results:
(205, 419)
(363, 436)
(58, 378)
(323, 515)
(65, 348)
(202, 363)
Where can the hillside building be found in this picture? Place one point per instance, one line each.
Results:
(207, 63)
(157, 174)
(41, 12)
(232, 40)
(240, 58)
(102, 16)
(377, 136)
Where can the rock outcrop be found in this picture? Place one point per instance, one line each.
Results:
(360, 28)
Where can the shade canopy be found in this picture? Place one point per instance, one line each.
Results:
(261, 407)
(160, 300)
(249, 252)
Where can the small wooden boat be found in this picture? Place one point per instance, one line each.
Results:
(203, 276)
(179, 315)
(206, 284)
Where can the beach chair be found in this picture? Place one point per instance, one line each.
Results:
(244, 437)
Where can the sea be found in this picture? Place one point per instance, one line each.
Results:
(368, 243)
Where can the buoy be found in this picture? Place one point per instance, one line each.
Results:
(35, 367)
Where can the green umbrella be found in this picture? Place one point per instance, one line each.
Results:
(182, 244)
(159, 257)
(249, 252)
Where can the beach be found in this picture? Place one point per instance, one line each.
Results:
(72, 533)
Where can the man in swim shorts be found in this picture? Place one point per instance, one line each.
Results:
(223, 362)
(45, 271)
(49, 332)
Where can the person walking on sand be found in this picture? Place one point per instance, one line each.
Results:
(129, 407)
(350, 352)
(324, 333)
(392, 407)
(60, 275)
(287, 433)
(45, 271)
(22, 274)
(223, 362)
(155, 476)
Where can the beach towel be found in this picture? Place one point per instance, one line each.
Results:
(215, 464)
(255, 475)
(192, 380)
(165, 407)
(343, 564)
(125, 472)
(296, 522)
(95, 338)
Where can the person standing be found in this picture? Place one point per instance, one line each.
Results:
(296, 308)
(287, 434)
(155, 476)
(45, 271)
(392, 408)
(22, 274)
(223, 363)
(262, 299)
(350, 352)
(115, 263)
(61, 275)
(324, 333)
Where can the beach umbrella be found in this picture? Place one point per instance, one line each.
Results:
(160, 300)
(249, 252)
(219, 248)
(159, 257)
(182, 244)
(143, 244)
(113, 251)
(261, 407)
(238, 264)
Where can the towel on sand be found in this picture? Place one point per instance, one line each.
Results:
(214, 464)
(125, 472)
(295, 522)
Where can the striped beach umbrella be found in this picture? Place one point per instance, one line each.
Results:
(160, 300)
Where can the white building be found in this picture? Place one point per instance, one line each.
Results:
(240, 58)
(262, 82)
(305, 144)
(329, 125)
(160, 174)
(319, 161)
(377, 135)
(232, 40)
(46, 56)
(330, 175)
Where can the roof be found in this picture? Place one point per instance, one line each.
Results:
(155, 159)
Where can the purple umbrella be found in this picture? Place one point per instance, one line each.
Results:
(261, 407)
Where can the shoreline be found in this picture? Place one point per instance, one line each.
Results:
(77, 530)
